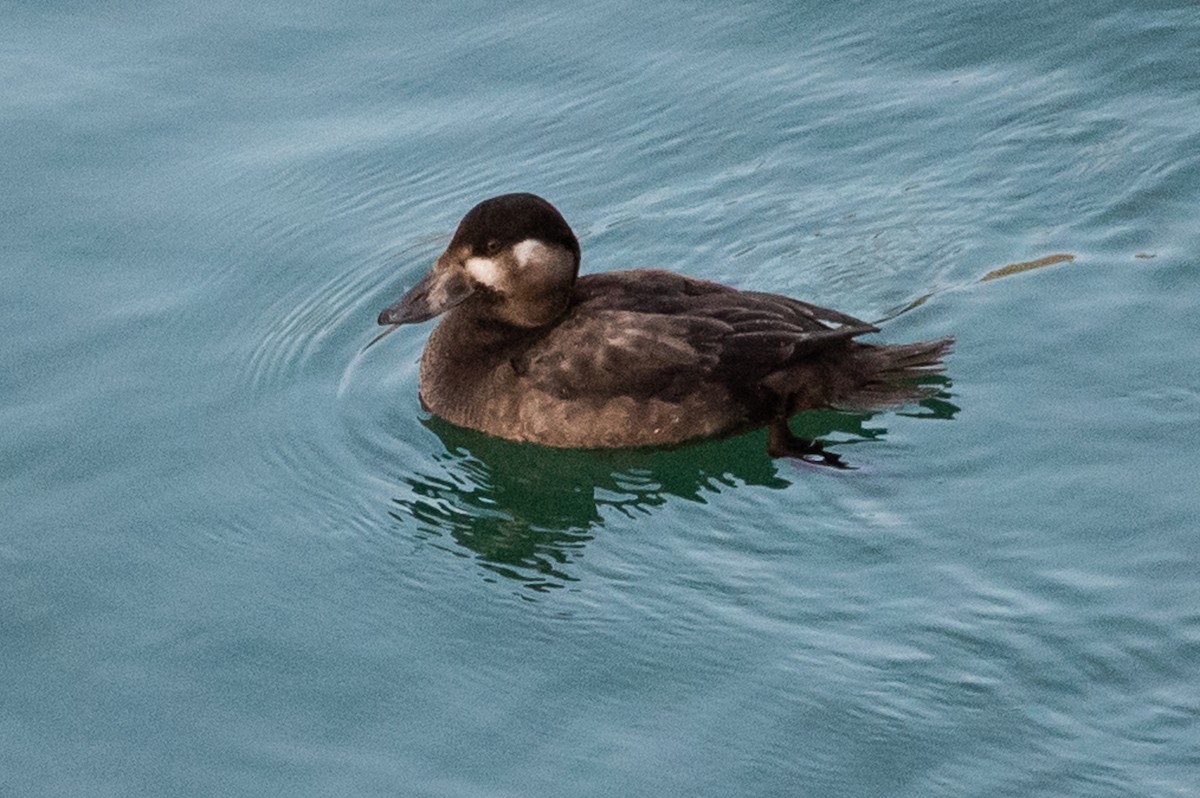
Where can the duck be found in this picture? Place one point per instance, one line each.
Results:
(528, 350)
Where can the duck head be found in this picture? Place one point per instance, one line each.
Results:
(513, 260)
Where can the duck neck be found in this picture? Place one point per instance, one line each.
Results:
(471, 339)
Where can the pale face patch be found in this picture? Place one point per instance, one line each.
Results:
(485, 271)
(532, 251)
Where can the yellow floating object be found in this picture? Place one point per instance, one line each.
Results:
(1024, 266)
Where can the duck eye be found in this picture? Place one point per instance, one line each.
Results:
(492, 247)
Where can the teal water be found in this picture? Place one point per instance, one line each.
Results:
(237, 558)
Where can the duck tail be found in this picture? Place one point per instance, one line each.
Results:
(894, 374)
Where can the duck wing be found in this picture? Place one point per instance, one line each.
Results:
(651, 334)
(658, 291)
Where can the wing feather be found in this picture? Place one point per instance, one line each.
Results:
(657, 334)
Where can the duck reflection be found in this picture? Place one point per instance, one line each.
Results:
(525, 512)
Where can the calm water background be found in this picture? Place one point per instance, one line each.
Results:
(236, 558)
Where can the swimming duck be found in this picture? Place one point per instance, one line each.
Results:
(529, 351)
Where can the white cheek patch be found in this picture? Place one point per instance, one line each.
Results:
(532, 251)
(485, 271)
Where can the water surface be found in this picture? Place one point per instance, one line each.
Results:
(237, 558)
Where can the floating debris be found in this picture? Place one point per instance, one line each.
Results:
(1024, 266)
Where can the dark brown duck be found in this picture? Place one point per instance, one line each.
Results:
(529, 351)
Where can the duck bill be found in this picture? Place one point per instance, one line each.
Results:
(439, 291)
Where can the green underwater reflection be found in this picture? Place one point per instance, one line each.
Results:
(525, 512)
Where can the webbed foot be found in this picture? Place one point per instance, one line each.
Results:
(781, 442)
